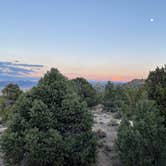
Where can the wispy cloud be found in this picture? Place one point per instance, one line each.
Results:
(16, 70)
(27, 65)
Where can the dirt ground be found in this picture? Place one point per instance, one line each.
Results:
(106, 127)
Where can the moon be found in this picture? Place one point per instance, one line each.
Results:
(151, 19)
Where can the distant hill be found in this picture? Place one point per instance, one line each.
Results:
(100, 85)
(94, 82)
(23, 84)
(136, 83)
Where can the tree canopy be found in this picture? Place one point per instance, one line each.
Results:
(156, 86)
(50, 126)
(11, 92)
(86, 91)
(112, 97)
(143, 142)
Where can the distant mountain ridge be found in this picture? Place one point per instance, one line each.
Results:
(135, 83)
(27, 83)
(94, 82)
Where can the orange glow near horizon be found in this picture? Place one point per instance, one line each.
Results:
(91, 75)
(117, 78)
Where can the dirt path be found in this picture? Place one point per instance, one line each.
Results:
(106, 127)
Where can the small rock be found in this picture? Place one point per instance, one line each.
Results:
(101, 122)
(117, 115)
(108, 148)
(113, 122)
(100, 133)
(2, 129)
(100, 144)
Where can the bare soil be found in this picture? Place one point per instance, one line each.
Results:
(105, 123)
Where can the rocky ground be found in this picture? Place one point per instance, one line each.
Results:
(106, 126)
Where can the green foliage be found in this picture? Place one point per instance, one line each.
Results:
(2, 103)
(143, 143)
(130, 98)
(5, 114)
(112, 97)
(86, 91)
(9, 96)
(11, 92)
(50, 126)
(156, 86)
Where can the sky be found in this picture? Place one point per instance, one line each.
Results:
(116, 40)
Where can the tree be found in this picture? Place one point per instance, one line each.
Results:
(2, 103)
(112, 97)
(11, 92)
(86, 91)
(50, 126)
(142, 143)
(130, 97)
(9, 96)
(156, 86)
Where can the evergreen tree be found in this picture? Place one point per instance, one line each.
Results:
(143, 142)
(130, 98)
(156, 86)
(11, 92)
(50, 126)
(86, 91)
(112, 97)
(9, 96)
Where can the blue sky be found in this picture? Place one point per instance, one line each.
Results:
(96, 39)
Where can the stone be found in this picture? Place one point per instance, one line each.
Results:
(100, 133)
(117, 115)
(113, 122)
(108, 148)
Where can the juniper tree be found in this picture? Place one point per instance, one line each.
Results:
(86, 91)
(50, 126)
